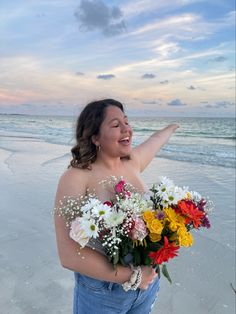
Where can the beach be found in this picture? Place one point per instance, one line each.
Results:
(32, 279)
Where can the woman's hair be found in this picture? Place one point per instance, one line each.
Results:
(84, 153)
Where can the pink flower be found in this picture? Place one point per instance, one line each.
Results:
(139, 231)
(127, 194)
(119, 187)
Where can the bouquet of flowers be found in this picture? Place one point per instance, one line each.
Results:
(138, 229)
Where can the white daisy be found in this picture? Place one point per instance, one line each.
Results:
(101, 211)
(91, 203)
(90, 227)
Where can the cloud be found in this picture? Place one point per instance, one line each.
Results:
(148, 76)
(137, 7)
(79, 73)
(175, 23)
(224, 104)
(40, 109)
(165, 82)
(220, 104)
(27, 105)
(151, 102)
(132, 66)
(176, 102)
(105, 76)
(191, 87)
(95, 15)
(230, 17)
(165, 49)
(218, 59)
(115, 29)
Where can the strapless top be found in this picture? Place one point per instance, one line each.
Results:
(96, 245)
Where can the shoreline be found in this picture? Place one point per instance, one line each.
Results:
(67, 147)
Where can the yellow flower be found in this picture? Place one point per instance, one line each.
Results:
(188, 195)
(155, 226)
(175, 220)
(148, 215)
(154, 237)
(185, 238)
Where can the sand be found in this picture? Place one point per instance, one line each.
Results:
(32, 279)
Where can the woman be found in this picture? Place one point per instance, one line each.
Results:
(103, 149)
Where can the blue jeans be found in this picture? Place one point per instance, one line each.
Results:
(92, 296)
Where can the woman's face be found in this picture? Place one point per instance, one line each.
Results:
(115, 134)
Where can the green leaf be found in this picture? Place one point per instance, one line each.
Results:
(147, 261)
(116, 258)
(165, 273)
(137, 258)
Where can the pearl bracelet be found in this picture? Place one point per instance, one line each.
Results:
(135, 279)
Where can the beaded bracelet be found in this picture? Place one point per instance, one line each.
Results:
(135, 279)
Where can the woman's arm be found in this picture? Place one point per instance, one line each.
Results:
(86, 261)
(146, 151)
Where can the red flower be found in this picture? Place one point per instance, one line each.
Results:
(119, 187)
(108, 203)
(192, 213)
(166, 252)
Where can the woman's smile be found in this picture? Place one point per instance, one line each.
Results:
(125, 141)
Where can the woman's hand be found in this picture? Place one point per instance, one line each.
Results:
(148, 276)
(173, 126)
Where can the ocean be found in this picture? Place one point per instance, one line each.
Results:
(198, 140)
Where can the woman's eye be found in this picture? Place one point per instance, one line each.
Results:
(115, 126)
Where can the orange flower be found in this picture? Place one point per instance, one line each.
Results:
(192, 213)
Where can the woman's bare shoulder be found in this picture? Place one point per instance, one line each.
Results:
(72, 182)
(74, 174)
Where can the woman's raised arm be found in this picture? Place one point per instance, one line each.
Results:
(145, 152)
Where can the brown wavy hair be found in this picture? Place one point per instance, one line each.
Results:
(84, 153)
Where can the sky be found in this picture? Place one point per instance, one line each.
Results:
(158, 57)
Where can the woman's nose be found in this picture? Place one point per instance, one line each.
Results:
(126, 127)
